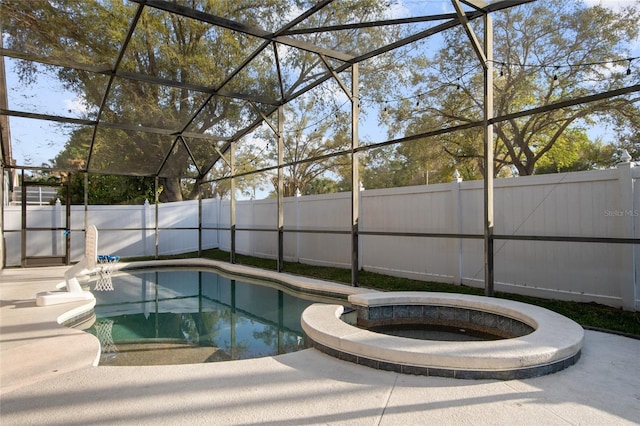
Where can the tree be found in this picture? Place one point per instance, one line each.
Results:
(383, 169)
(574, 152)
(631, 144)
(627, 130)
(109, 189)
(163, 46)
(544, 52)
(173, 48)
(308, 139)
(317, 124)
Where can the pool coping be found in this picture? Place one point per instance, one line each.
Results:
(548, 349)
(80, 310)
(555, 344)
(294, 283)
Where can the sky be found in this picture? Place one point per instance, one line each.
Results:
(37, 142)
(612, 4)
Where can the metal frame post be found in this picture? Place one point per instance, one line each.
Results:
(199, 220)
(355, 176)
(86, 200)
(156, 201)
(488, 158)
(67, 224)
(23, 227)
(280, 134)
(232, 204)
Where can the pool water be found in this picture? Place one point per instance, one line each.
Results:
(434, 332)
(193, 316)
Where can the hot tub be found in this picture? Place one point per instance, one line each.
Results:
(538, 341)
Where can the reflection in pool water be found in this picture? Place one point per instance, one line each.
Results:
(186, 316)
(434, 332)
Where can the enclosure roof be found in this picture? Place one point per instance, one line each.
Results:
(160, 84)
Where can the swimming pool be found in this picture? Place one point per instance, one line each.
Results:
(179, 316)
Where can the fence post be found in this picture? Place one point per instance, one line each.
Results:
(156, 203)
(218, 207)
(252, 234)
(199, 221)
(145, 224)
(57, 224)
(360, 216)
(298, 235)
(456, 210)
(629, 286)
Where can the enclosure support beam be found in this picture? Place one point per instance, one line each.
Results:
(355, 175)
(353, 95)
(464, 22)
(488, 157)
(86, 201)
(280, 134)
(477, 4)
(156, 199)
(23, 227)
(199, 219)
(232, 203)
(277, 58)
(67, 223)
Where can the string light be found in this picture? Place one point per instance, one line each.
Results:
(315, 124)
(418, 96)
(576, 65)
(502, 64)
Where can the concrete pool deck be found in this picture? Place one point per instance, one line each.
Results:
(47, 377)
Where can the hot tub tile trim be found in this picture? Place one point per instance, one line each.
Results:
(556, 343)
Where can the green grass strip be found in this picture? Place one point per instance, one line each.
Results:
(589, 315)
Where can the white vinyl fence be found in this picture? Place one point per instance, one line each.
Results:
(590, 207)
(128, 231)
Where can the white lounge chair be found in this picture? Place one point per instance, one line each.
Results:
(74, 292)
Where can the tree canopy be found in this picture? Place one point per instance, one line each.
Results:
(109, 190)
(544, 53)
(168, 94)
(166, 47)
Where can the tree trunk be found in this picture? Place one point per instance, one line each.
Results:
(171, 190)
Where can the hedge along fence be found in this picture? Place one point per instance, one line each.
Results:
(564, 236)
